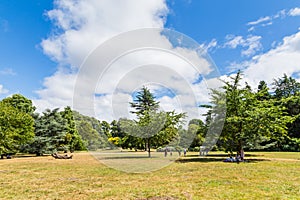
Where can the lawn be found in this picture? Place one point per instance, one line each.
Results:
(266, 175)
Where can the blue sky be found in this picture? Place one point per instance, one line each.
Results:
(40, 56)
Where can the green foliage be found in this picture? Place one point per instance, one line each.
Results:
(144, 103)
(286, 87)
(152, 127)
(92, 131)
(253, 121)
(72, 139)
(16, 128)
(21, 103)
(50, 133)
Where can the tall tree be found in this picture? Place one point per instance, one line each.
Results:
(16, 128)
(248, 121)
(153, 126)
(287, 93)
(145, 108)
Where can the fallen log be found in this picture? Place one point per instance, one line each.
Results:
(57, 156)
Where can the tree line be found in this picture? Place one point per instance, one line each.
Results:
(268, 118)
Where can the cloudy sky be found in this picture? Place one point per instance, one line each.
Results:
(55, 51)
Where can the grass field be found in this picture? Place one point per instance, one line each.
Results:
(266, 175)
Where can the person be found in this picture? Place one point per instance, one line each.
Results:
(238, 157)
(166, 152)
(184, 152)
(230, 159)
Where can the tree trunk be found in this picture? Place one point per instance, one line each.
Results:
(146, 144)
(149, 152)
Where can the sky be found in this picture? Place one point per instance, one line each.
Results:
(46, 45)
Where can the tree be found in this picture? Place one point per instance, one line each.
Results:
(145, 108)
(21, 103)
(144, 103)
(72, 138)
(152, 126)
(287, 93)
(248, 121)
(263, 91)
(286, 87)
(16, 128)
(92, 131)
(197, 130)
(50, 133)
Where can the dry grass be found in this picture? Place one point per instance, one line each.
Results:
(265, 176)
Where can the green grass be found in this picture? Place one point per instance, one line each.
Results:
(266, 175)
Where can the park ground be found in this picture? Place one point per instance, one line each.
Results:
(265, 175)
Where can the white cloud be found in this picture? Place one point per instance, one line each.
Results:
(267, 20)
(294, 12)
(3, 90)
(211, 45)
(84, 26)
(282, 59)
(251, 44)
(280, 14)
(234, 41)
(57, 92)
(260, 20)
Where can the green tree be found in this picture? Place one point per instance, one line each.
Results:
(287, 94)
(50, 133)
(92, 131)
(145, 108)
(144, 103)
(249, 122)
(16, 128)
(286, 87)
(72, 138)
(21, 103)
(197, 130)
(152, 126)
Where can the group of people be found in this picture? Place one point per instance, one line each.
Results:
(170, 150)
(240, 156)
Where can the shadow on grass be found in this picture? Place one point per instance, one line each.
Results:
(210, 159)
(129, 157)
(224, 155)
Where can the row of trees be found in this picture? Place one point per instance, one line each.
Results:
(23, 130)
(254, 120)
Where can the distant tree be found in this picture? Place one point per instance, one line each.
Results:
(263, 91)
(152, 126)
(16, 128)
(197, 129)
(91, 131)
(286, 87)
